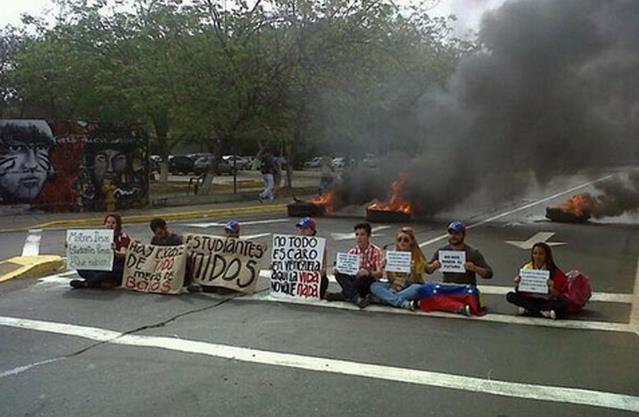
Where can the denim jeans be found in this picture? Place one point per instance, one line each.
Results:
(397, 299)
(269, 186)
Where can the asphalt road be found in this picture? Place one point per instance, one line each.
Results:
(125, 353)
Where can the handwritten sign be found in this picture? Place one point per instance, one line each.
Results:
(90, 249)
(452, 261)
(225, 262)
(155, 269)
(397, 261)
(347, 264)
(297, 262)
(534, 280)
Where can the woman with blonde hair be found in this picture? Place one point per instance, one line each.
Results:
(402, 287)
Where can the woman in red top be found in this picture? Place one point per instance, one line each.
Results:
(112, 278)
(552, 304)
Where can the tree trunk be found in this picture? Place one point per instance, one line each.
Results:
(164, 170)
(207, 184)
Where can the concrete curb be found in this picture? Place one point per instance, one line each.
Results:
(30, 266)
(143, 218)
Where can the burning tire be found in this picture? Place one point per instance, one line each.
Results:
(305, 209)
(556, 214)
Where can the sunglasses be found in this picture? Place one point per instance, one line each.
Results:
(403, 239)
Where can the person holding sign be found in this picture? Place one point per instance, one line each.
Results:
(459, 262)
(113, 278)
(402, 288)
(356, 288)
(549, 301)
(308, 227)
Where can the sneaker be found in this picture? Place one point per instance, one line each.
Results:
(107, 285)
(194, 288)
(363, 302)
(78, 283)
(465, 311)
(334, 296)
(549, 314)
(409, 305)
(522, 311)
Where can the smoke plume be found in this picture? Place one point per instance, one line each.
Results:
(553, 89)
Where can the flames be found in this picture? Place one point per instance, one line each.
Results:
(580, 205)
(327, 200)
(396, 203)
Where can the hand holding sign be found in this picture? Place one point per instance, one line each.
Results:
(534, 281)
(452, 261)
(347, 264)
(397, 261)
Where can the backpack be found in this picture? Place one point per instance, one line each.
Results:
(579, 291)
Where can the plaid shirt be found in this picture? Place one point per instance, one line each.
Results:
(370, 259)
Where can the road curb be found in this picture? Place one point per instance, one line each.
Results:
(30, 266)
(144, 218)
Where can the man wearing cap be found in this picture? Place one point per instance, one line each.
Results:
(475, 262)
(308, 227)
(232, 229)
(356, 288)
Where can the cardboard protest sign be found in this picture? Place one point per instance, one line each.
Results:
(397, 261)
(347, 264)
(297, 262)
(452, 261)
(534, 280)
(156, 269)
(90, 249)
(225, 262)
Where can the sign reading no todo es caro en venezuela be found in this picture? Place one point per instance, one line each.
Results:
(156, 269)
(297, 262)
(90, 249)
(225, 262)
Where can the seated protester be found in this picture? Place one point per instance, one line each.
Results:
(475, 262)
(552, 304)
(162, 236)
(113, 278)
(231, 230)
(308, 227)
(455, 298)
(402, 288)
(356, 288)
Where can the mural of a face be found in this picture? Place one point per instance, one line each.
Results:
(24, 159)
(109, 164)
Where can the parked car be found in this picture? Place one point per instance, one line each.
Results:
(181, 164)
(313, 163)
(240, 161)
(338, 162)
(203, 164)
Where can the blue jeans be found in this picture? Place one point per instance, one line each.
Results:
(397, 299)
(269, 186)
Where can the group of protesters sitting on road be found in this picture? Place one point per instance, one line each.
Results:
(371, 283)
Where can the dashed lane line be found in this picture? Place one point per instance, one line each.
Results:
(546, 393)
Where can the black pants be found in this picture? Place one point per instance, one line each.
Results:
(94, 278)
(537, 304)
(323, 286)
(352, 286)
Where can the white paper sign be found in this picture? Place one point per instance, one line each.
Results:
(397, 261)
(452, 261)
(534, 280)
(90, 249)
(297, 264)
(347, 264)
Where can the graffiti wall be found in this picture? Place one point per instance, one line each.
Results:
(72, 166)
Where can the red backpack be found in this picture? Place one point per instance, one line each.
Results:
(579, 291)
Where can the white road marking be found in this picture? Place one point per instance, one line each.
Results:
(247, 223)
(524, 207)
(490, 317)
(21, 369)
(351, 235)
(32, 243)
(257, 236)
(546, 393)
(604, 297)
(537, 237)
(634, 313)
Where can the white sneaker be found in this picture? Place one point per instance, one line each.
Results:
(549, 314)
(521, 311)
(466, 311)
